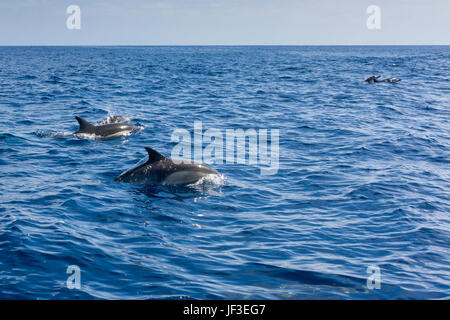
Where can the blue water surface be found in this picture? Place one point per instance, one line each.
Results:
(363, 179)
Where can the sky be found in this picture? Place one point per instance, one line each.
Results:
(225, 22)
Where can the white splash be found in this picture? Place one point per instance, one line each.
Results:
(53, 134)
(112, 118)
(208, 182)
(88, 136)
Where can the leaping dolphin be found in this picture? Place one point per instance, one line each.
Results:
(374, 79)
(110, 130)
(162, 170)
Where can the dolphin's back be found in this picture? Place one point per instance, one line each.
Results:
(106, 130)
(112, 129)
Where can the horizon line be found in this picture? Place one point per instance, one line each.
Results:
(221, 45)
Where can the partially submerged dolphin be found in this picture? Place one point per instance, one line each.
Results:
(162, 170)
(110, 130)
(374, 79)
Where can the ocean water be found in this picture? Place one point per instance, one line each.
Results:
(362, 185)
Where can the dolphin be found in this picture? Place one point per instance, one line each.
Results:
(392, 80)
(162, 170)
(104, 131)
(374, 79)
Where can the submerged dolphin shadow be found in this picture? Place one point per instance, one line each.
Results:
(178, 193)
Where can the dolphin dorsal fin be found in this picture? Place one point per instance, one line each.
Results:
(154, 155)
(83, 123)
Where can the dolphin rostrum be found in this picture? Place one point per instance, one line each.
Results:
(162, 170)
(104, 131)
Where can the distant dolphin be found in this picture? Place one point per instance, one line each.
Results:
(374, 79)
(104, 131)
(392, 80)
(161, 170)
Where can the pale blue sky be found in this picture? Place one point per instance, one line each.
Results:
(224, 22)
